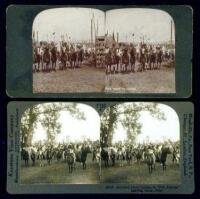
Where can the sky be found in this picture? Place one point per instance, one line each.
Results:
(75, 22)
(154, 24)
(153, 129)
(76, 130)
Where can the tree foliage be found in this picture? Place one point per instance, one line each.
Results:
(28, 123)
(47, 115)
(126, 114)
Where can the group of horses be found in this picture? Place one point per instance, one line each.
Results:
(48, 58)
(116, 155)
(44, 156)
(148, 154)
(125, 60)
(115, 60)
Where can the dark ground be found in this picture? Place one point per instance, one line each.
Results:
(135, 174)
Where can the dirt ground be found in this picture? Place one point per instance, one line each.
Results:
(90, 79)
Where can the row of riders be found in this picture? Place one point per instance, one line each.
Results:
(46, 57)
(142, 153)
(146, 57)
(115, 59)
(117, 154)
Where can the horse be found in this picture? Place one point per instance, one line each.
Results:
(41, 157)
(142, 60)
(165, 150)
(25, 157)
(138, 155)
(58, 155)
(79, 56)
(132, 59)
(71, 159)
(49, 156)
(115, 63)
(46, 59)
(64, 57)
(73, 58)
(125, 61)
(108, 62)
(128, 156)
(152, 59)
(159, 57)
(176, 155)
(96, 156)
(105, 156)
(33, 157)
(121, 156)
(36, 60)
(150, 159)
(81, 156)
(112, 155)
(53, 58)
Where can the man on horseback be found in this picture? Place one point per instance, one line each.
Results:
(132, 53)
(71, 158)
(125, 60)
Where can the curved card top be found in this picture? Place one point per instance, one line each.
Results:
(99, 51)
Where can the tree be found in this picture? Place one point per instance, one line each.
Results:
(47, 115)
(28, 123)
(50, 122)
(127, 114)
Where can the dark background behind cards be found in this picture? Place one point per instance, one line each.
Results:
(19, 74)
(4, 99)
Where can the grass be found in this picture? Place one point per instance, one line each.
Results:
(135, 174)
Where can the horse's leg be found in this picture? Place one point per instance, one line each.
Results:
(70, 168)
(123, 68)
(144, 66)
(53, 66)
(109, 66)
(74, 166)
(44, 66)
(38, 64)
